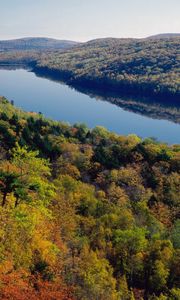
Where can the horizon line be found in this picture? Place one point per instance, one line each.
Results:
(87, 40)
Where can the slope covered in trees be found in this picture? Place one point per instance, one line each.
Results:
(86, 214)
(129, 66)
(164, 36)
(35, 44)
(140, 67)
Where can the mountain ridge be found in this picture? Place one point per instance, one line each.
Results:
(163, 36)
(35, 43)
(62, 43)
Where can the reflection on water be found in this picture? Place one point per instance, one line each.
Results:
(150, 107)
(143, 106)
(58, 101)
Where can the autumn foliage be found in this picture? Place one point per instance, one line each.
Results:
(17, 286)
(86, 214)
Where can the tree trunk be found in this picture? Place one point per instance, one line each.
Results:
(16, 202)
(4, 199)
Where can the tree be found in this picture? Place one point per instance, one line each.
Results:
(94, 278)
(9, 182)
(129, 248)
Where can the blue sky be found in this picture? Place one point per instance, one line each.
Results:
(87, 19)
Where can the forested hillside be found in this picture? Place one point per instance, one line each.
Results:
(140, 67)
(22, 58)
(35, 44)
(164, 36)
(86, 214)
(129, 66)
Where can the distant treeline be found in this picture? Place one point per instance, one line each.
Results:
(145, 67)
(35, 44)
(140, 67)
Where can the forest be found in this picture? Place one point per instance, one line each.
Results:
(35, 43)
(140, 67)
(148, 67)
(86, 214)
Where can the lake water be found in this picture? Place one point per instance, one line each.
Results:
(60, 102)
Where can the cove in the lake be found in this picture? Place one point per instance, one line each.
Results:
(60, 102)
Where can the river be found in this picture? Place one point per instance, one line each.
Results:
(60, 102)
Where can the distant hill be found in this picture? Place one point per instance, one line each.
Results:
(144, 67)
(35, 44)
(164, 36)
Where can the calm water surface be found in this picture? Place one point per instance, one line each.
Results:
(60, 102)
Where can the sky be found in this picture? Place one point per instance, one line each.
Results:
(83, 20)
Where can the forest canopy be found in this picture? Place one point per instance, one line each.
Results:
(130, 66)
(86, 214)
